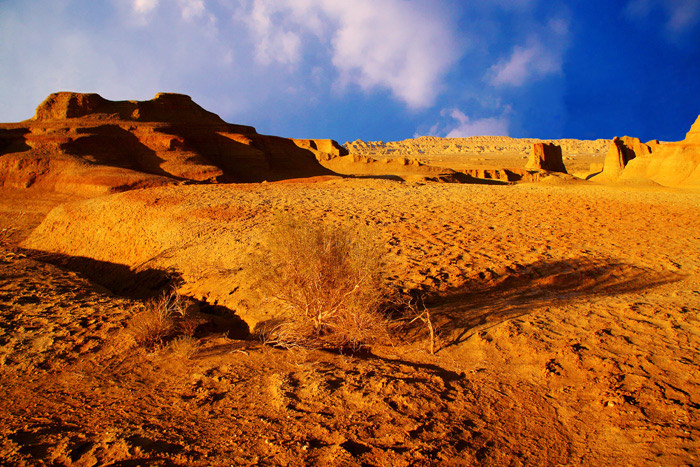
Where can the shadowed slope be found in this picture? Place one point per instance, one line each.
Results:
(83, 143)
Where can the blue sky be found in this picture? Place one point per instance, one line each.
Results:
(371, 69)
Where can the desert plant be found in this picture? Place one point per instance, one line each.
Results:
(420, 312)
(157, 320)
(184, 346)
(327, 278)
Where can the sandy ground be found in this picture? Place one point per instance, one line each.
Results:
(568, 322)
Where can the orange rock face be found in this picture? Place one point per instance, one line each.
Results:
(622, 150)
(87, 144)
(546, 156)
(674, 164)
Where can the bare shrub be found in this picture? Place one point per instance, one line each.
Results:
(157, 321)
(184, 346)
(420, 312)
(327, 280)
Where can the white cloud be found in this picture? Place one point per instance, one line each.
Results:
(456, 124)
(403, 46)
(191, 9)
(273, 43)
(535, 60)
(481, 127)
(681, 15)
(525, 63)
(143, 7)
(142, 11)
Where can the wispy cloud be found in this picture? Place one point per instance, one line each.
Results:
(456, 124)
(144, 10)
(680, 15)
(403, 46)
(274, 42)
(535, 60)
(143, 7)
(191, 9)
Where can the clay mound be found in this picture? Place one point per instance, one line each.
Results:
(673, 164)
(546, 156)
(83, 143)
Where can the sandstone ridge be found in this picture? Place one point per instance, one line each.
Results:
(165, 107)
(83, 143)
(672, 164)
(499, 158)
(473, 145)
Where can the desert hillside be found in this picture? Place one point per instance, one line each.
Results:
(564, 310)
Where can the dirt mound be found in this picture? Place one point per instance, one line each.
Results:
(83, 143)
(673, 164)
(206, 231)
(546, 156)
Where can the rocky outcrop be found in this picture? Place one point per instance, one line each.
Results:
(673, 164)
(473, 145)
(621, 152)
(87, 144)
(546, 156)
(484, 158)
(165, 107)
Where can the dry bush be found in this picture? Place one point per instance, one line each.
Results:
(184, 346)
(419, 312)
(157, 321)
(327, 280)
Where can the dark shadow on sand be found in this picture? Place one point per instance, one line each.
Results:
(142, 284)
(481, 304)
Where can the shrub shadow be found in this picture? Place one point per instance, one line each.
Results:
(142, 284)
(481, 304)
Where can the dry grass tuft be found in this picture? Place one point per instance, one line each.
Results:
(184, 347)
(162, 318)
(326, 280)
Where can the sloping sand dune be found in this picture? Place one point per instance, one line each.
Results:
(568, 318)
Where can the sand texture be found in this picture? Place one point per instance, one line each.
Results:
(565, 296)
(567, 314)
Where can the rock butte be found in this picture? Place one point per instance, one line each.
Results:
(546, 156)
(83, 143)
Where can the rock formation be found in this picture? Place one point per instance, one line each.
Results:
(621, 152)
(85, 143)
(674, 164)
(546, 156)
(473, 145)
